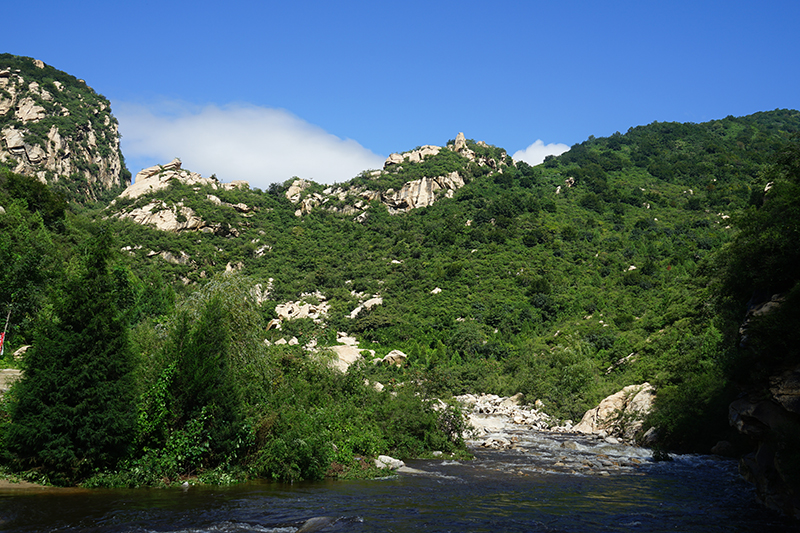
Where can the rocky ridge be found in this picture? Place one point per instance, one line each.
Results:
(53, 127)
(174, 217)
(414, 194)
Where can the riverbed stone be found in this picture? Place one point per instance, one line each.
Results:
(620, 415)
(385, 461)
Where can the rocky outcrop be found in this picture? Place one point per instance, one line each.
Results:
(395, 357)
(757, 310)
(159, 177)
(347, 352)
(414, 156)
(365, 304)
(297, 310)
(768, 413)
(164, 217)
(619, 416)
(488, 413)
(414, 194)
(54, 127)
(421, 192)
(385, 461)
(174, 217)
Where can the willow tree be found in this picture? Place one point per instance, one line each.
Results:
(73, 411)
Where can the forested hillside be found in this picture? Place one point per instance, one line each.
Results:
(618, 262)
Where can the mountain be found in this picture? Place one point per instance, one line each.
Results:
(55, 127)
(620, 262)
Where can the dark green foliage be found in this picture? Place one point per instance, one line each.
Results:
(765, 257)
(73, 411)
(38, 196)
(761, 263)
(204, 381)
(27, 255)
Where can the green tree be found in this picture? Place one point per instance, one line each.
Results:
(764, 256)
(73, 411)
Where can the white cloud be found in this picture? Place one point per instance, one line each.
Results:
(238, 142)
(535, 153)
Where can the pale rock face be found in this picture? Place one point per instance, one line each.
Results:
(294, 310)
(166, 218)
(347, 352)
(236, 184)
(395, 357)
(393, 159)
(181, 259)
(384, 461)
(62, 154)
(7, 377)
(35, 154)
(7, 102)
(158, 177)
(295, 189)
(422, 192)
(368, 304)
(621, 414)
(460, 143)
(14, 140)
(460, 147)
(414, 156)
(346, 355)
(29, 111)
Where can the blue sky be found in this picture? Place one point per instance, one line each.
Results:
(264, 91)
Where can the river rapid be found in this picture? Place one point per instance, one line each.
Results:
(544, 483)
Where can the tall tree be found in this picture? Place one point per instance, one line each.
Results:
(73, 411)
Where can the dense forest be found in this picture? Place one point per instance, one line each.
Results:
(629, 258)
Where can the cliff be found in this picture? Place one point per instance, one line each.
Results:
(56, 128)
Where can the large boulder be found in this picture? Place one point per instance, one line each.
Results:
(620, 415)
(385, 461)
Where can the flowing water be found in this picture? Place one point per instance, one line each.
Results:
(547, 483)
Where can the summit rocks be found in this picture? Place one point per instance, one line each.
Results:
(414, 194)
(177, 217)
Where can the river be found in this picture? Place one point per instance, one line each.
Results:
(545, 484)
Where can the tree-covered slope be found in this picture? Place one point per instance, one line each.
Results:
(591, 258)
(564, 281)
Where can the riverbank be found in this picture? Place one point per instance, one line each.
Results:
(10, 484)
